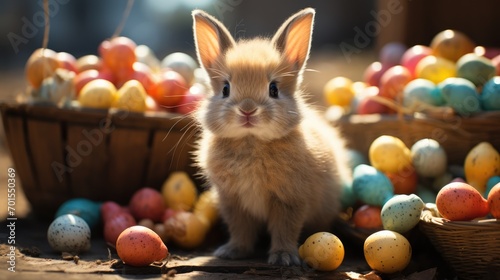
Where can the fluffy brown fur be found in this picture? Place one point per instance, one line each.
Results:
(275, 163)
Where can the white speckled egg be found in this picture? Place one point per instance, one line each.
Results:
(402, 212)
(69, 233)
(428, 158)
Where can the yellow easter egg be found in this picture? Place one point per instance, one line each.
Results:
(207, 206)
(131, 96)
(387, 251)
(481, 163)
(98, 93)
(179, 191)
(435, 69)
(322, 251)
(338, 91)
(389, 154)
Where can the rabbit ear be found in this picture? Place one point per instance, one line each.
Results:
(212, 39)
(293, 39)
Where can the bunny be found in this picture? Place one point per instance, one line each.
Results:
(272, 159)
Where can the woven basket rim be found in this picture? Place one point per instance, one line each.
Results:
(428, 218)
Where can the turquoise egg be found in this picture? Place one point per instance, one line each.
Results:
(371, 186)
(461, 95)
(86, 209)
(490, 184)
(356, 158)
(348, 198)
(490, 96)
(427, 195)
(423, 91)
(475, 68)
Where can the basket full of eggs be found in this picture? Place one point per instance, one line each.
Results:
(424, 122)
(101, 126)
(448, 90)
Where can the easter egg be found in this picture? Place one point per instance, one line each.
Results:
(338, 91)
(404, 181)
(461, 95)
(371, 186)
(387, 251)
(461, 202)
(179, 191)
(492, 181)
(402, 212)
(348, 197)
(146, 55)
(426, 194)
(69, 233)
(131, 97)
(97, 93)
(393, 81)
(368, 105)
(435, 69)
(421, 92)
(428, 158)
(494, 201)
(147, 203)
(373, 73)
(475, 68)
(413, 55)
(181, 63)
(187, 229)
(389, 154)
(322, 251)
(356, 158)
(490, 94)
(391, 53)
(40, 65)
(481, 163)
(84, 208)
(140, 246)
(115, 224)
(368, 217)
(451, 44)
(207, 206)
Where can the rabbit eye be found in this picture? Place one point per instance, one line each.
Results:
(226, 90)
(273, 90)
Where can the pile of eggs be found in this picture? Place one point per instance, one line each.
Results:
(396, 183)
(175, 215)
(123, 75)
(452, 71)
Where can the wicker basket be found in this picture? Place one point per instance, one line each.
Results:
(97, 154)
(456, 134)
(471, 248)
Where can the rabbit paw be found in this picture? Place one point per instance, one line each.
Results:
(284, 258)
(230, 251)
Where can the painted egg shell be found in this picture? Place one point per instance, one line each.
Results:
(83, 208)
(490, 95)
(475, 68)
(387, 251)
(371, 186)
(428, 158)
(181, 63)
(421, 91)
(461, 95)
(402, 212)
(69, 233)
(322, 251)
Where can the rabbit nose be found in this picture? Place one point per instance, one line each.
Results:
(248, 113)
